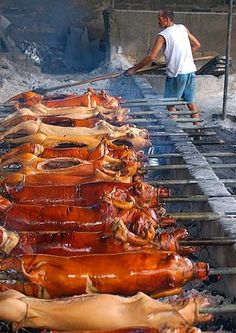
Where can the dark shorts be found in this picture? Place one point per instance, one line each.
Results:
(181, 86)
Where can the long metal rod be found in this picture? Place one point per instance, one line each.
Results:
(185, 182)
(228, 48)
(193, 198)
(185, 166)
(187, 120)
(224, 308)
(203, 216)
(208, 142)
(157, 103)
(213, 154)
(222, 270)
(195, 142)
(186, 127)
(221, 241)
(159, 99)
(144, 113)
(168, 134)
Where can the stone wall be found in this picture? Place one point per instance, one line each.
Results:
(133, 33)
(74, 29)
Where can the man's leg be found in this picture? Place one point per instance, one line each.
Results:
(172, 108)
(196, 115)
(174, 87)
(189, 96)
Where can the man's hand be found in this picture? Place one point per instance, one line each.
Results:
(131, 71)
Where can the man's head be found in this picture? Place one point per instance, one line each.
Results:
(165, 18)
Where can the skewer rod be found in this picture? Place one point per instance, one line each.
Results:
(185, 182)
(225, 308)
(222, 270)
(138, 100)
(157, 103)
(209, 242)
(187, 120)
(184, 166)
(144, 113)
(204, 216)
(213, 154)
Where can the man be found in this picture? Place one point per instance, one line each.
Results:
(178, 45)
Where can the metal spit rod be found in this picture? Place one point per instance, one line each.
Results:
(195, 142)
(154, 103)
(159, 99)
(184, 166)
(208, 241)
(188, 127)
(203, 216)
(181, 133)
(225, 308)
(178, 120)
(212, 154)
(185, 181)
(145, 113)
(193, 198)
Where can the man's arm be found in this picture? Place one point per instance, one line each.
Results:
(160, 41)
(195, 43)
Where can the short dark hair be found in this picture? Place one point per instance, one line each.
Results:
(167, 13)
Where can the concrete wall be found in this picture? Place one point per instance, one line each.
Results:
(133, 32)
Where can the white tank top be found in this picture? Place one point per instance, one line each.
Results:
(177, 52)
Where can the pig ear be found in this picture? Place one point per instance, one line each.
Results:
(90, 289)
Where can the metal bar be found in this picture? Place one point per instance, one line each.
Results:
(221, 241)
(159, 99)
(185, 166)
(213, 154)
(164, 155)
(191, 198)
(222, 270)
(185, 182)
(209, 142)
(195, 142)
(180, 113)
(228, 49)
(187, 120)
(160, 103)
(202, 134)
(141, 113)
(203, 216)
(189, 127)
(224, 308)
(144, 113)
(168, 134)
(194, 127)
(140, 120)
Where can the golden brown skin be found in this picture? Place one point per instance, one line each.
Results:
(74, 243)
(28, 163)
(91, 99)
(65, 189)
(121, 274)
(84, 153)
(108, 313)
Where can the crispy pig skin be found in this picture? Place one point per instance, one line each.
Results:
(122, 273)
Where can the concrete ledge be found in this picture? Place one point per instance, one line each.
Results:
(209, 184)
